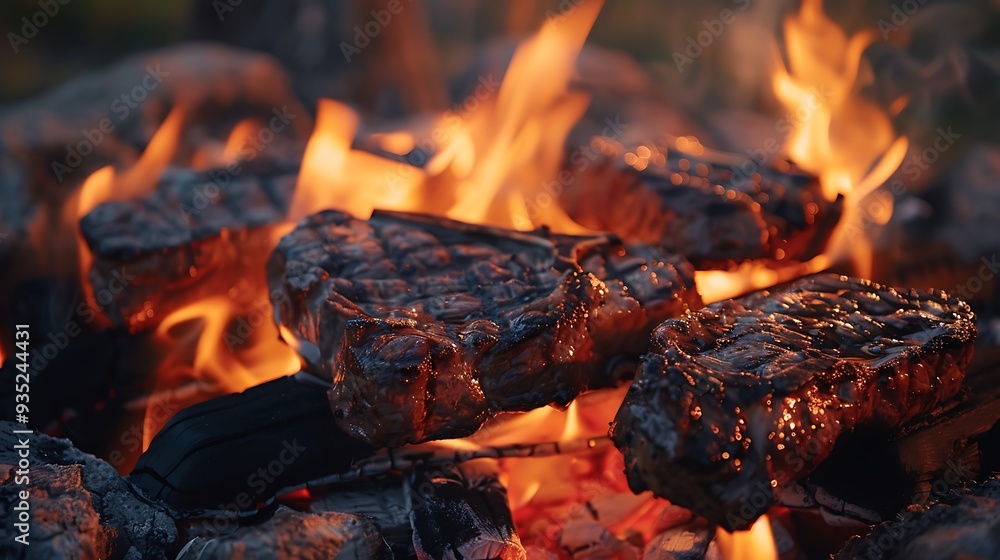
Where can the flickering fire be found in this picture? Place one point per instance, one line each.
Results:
(718, 285)
(220, 349)
(489, 162)
(756, 543)
(212, 153)
(334, 175)
(518, 143)
(843, 138)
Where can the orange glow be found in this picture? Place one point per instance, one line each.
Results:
(212, 153)
(494, 162)
(2, 358)
(548, 494)
(516, 144)
(756, 543)
(242, 133)
(841, 137)
(717, 285)
(218, 348)
(335, 176)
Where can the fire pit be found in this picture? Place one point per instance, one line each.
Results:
(731, 297)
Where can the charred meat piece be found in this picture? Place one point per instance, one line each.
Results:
(965, 526)
(738, 399)
(154, 254)
(428, 326)
(716, 210)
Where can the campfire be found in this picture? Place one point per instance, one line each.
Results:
(564, 316)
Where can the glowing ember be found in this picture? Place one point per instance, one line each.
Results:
(757, 543)
(844, 139)
(581, 489)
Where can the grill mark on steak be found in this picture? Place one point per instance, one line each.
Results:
(745, 396)
(429, 326)
(716, 210)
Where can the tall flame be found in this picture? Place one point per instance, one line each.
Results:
(518, 144)
(492, 162)
(843, 138)
(756, 543)
(334, 175)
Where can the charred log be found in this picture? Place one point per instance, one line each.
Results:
(429, 326)
(78, 505)
(461, 512)
(742, 398)
(965, 525)
(292, 535)
(237, 451)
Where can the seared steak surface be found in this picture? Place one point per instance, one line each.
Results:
(428, 326)
(744, 396)
(717, 211)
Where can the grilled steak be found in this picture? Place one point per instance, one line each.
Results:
(428, 326)
(171, 245)
(717, 210)
(744, 396)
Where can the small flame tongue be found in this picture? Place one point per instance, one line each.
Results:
(756, 543)
(841, 137)
(105, 184)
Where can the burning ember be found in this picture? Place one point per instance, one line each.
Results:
(560, 320)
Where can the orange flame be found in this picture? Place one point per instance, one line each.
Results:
(756, 543)
(493, 163)
(106, 184)
(717, 285)
(517, 145)
(841, 137)
(219, 348)
(212, 153)
(333, 175)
